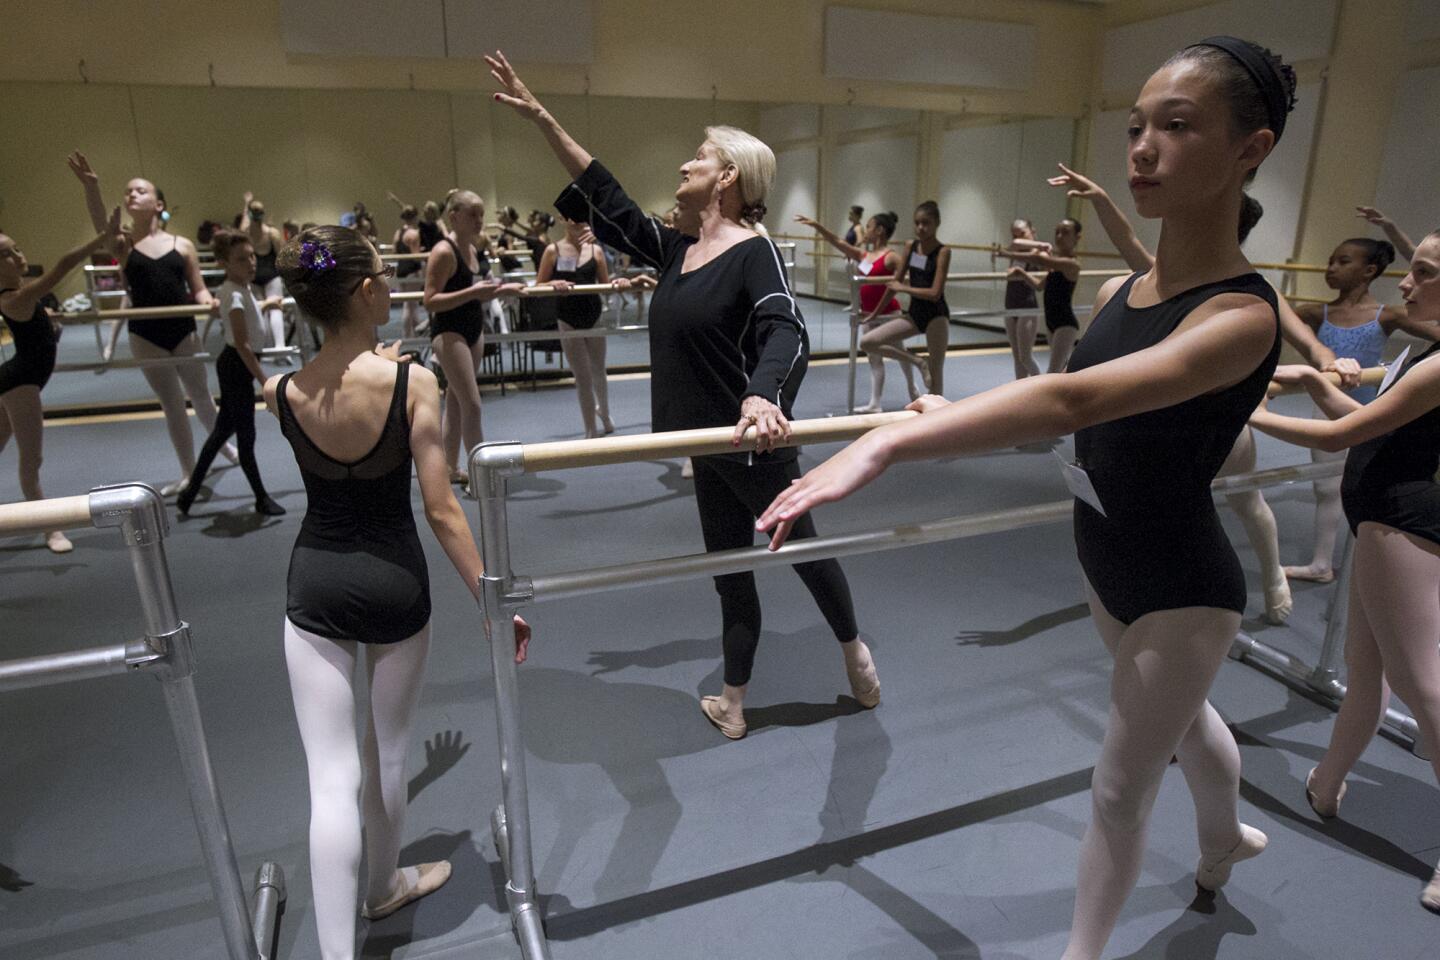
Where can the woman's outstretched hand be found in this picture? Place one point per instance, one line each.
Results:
(836, 478)
(513, 91)
(1079, 185)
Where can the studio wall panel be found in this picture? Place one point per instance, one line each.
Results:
(372, 28)
(915, 48)
(529, 31)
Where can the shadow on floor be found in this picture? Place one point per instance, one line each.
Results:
(1024, 631)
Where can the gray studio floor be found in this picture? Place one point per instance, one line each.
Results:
(943, 824)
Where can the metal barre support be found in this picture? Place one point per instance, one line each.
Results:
(491, 464)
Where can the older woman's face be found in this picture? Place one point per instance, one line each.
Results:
(699, 179)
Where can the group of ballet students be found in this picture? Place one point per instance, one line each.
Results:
(1174, 365)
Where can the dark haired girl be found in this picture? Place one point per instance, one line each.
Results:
(873, 258)
(920, 274)
(1175, 360)
(1057, 286)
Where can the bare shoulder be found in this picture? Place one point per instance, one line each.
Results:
(1107, 290)
(423, 378)
(185, 247)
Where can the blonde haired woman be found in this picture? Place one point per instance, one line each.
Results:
(457, 282)
(727, 347)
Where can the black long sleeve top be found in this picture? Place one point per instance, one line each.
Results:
(720, 333)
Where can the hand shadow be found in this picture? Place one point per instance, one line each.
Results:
(1024, 631)
(654, 657)
(11, 881)
(442, 752)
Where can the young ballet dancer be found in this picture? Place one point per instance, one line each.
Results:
(728, 347)
(853, 219)
(266, 242)
(874, 258)
(1354, 325)
(357, 420)
(1057, 286)
(407, 272)
(457, 283)
(32, 338)
(160, 270)
(578, 259)
(237, 368)
(1174, 362)
(920, 274)
(1020, 295)
(1392, 504)
(1250, 507)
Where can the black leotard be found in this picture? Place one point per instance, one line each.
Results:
(1019, 295)
(1391, 479)
(357, 571)
(1160, 545)
(1059, 311)
(34, 343)
(580, 312)
(159, 282)
(265, 269)
(405, 268)
(468, 319)
(922, 311)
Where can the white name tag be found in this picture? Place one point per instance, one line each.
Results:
(1393, 371)
(567, 264)
(1079, 483)
(918, 261)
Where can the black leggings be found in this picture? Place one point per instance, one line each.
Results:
(730, 496)
(235, 419)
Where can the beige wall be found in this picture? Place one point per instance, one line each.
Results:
(310, 154)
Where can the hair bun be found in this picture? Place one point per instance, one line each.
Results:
(754, 213)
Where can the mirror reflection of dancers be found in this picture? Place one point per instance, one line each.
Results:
(266, 241)
(160, 270)
(33, 339)
(357, 421)
(1169, 372)
(873, 258)
(728, 347)
(1392, 504)
(1020, 329)
(1057, 287)
(920, 275)
(409, 272)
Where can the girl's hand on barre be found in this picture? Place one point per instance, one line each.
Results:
(643, 281)
(1348, 368)
(272, 303)
(391, 351)
(1291, 374)
(931, 401)
(836, 478)
(522, 639)
(769, 422)
(1371, 215)
(621, 283)
(560, 285)
(509, 289)
(514, 93)
(1080, 185)
(81, 168)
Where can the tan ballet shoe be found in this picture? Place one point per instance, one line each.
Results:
(1213, 873)
(1323, 811)
(57, 542)
(1430, 896)
(865, 684)
(710, 706)
(1309, 574)
(431, 877)
(1278, 604)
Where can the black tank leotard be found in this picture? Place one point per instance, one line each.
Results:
(159, 282)
(1391, 478)
(34, 343)
(357, 571)
(1059, 311)
(468, 319)
(265, 269)
(922, 311)
(405, 268)
(580, 312)
(1019, 295)
(430, 234)
(1160, 545)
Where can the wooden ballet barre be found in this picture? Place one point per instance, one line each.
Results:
(1369, 377)
(991, 275)
(42, 516)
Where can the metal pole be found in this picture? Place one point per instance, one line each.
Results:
(269, 895)
(854, 342)
(490, 465)
(55, 668)
(140, 514)
(1332, 654)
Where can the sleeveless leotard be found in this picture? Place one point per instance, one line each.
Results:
(922, 311)
(1059, 311)
(1160, 545)
(1019, 295)
(357, 571)
(405, 268)
(1364, 343)
(159, 282)
(580, 312)
(872, 293)
(1391, 478)
(468, 319)
(34, 344)
(265, 269)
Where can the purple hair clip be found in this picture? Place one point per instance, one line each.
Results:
(316, 257)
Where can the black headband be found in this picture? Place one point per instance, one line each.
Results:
(1262, 71)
